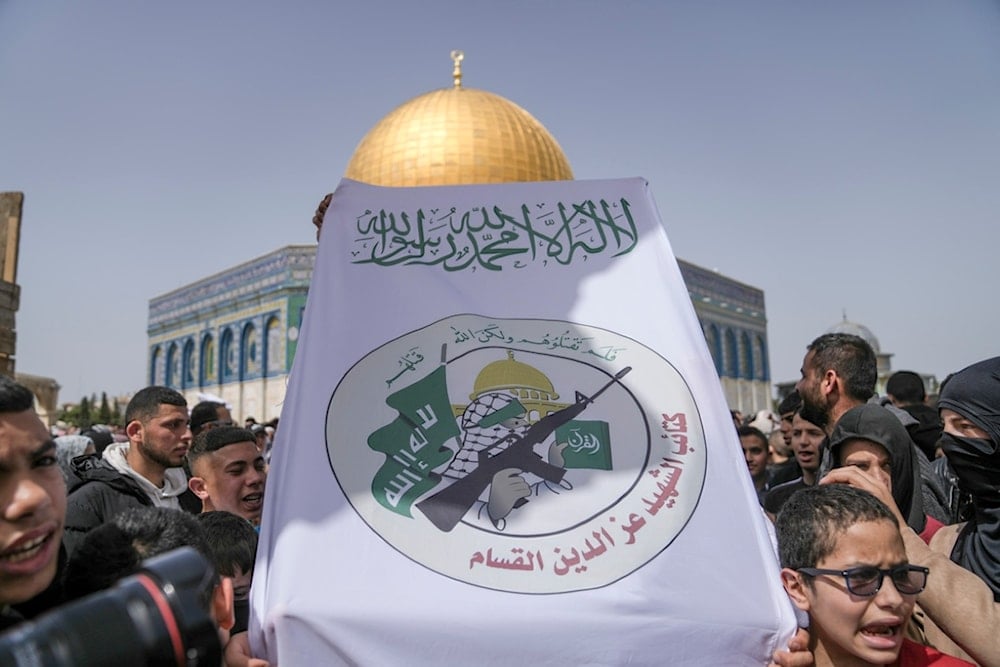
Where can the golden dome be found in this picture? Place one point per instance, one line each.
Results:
(509, 374)
(457, 136)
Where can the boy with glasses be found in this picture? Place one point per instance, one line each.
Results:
(843, 562)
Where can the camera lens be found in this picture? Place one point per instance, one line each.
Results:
(157, 617)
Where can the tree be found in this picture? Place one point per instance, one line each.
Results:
(104, 413)
(84, 418)
(86, 413)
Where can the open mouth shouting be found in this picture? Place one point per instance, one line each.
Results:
(885, 635)
(30, 553)
(253, 502)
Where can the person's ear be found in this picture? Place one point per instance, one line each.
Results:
(795, 587)
(133, 430)
(830, 381)
(198, 488)
(222, 604)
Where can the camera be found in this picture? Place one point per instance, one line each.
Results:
(158, 616)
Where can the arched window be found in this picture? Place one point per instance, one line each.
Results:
(732, 355)
(760, 358)
(206, 364)
(227, 357)
(154, 361)
(274, 351)
(250, 352)
(714, 348)
(173, 373)
(187, 365)
(746, 357)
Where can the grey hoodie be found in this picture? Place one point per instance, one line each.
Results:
(174, 479)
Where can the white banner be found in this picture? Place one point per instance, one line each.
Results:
(504, 442)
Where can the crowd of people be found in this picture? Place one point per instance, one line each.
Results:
(886, 511)
(80, 512)
(903, 567)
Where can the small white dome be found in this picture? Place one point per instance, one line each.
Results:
(855, 329)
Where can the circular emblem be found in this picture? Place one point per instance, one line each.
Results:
(530, 456)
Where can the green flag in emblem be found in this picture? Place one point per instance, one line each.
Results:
(413, 443)
(589, 444)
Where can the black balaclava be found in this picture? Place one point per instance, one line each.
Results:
(974, 393)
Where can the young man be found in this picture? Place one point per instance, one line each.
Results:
(32, 502)
(145, 471)
(844, 563)
(260, 433)
(789, 405)
(807, 445)
(208, 415)
(228, 472)
(757, 454)
(786, 470)
(906, 391)
(232, 542)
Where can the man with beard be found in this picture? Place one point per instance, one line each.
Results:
(145, 471)
(838, 373)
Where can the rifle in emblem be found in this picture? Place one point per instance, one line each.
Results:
(447, 507)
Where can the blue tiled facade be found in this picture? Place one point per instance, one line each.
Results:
(237, 326)
(734, 322)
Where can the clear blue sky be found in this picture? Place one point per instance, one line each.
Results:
(838, 155)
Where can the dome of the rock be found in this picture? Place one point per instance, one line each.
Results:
(456, 136)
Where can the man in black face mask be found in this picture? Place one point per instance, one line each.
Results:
(970, 410)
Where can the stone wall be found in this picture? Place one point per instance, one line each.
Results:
(11, 204)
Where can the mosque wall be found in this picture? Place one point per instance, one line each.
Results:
(233, 335)
(11, 204)
(733, 319)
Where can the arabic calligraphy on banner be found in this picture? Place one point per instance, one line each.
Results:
(462, 445)
(574, 558)
(565, 341)
(492, 238)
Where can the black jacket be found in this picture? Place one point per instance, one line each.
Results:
(927, 431)
(101, 493)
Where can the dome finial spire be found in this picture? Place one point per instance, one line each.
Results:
(457, 57)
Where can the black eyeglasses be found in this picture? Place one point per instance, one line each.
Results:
(865, 581)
